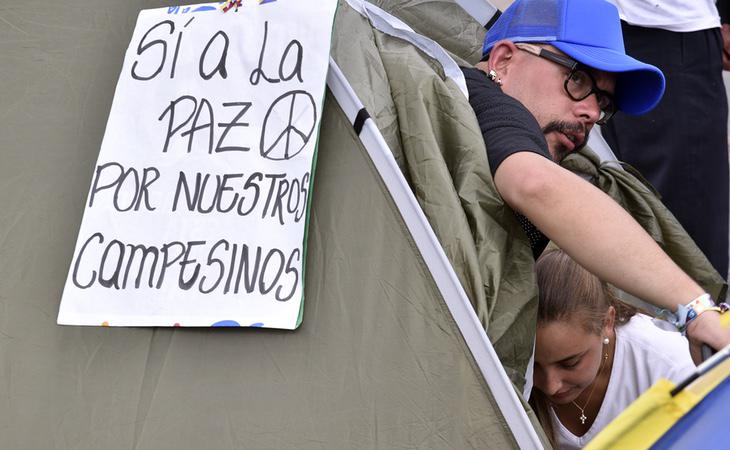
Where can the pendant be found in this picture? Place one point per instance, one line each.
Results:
(583, 418)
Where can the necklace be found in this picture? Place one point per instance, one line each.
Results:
(583, 416)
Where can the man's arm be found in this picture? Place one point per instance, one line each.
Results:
(601, 236)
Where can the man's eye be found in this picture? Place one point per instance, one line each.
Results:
(579, 78)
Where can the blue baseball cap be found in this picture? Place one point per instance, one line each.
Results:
(588, 31)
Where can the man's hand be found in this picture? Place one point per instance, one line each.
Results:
(706, 329)
(726, 46)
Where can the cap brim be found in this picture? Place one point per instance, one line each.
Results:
(639, 86)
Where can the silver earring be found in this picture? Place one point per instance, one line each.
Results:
(605, 341)
(492, 75)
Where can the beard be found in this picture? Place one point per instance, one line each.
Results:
(568, 129)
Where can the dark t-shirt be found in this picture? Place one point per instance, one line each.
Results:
(507, 127)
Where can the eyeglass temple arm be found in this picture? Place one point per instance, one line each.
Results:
(541, 52)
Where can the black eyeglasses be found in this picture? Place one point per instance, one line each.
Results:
(579, 84)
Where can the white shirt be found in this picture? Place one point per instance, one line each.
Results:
(672, 15)
(644, 354)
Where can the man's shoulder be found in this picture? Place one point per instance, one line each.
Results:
(474, 74)
(484, 92)
(476, 79)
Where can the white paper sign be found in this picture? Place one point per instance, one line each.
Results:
(197, 210)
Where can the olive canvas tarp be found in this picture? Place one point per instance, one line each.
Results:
(378, 361)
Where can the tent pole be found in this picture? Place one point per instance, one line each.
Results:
(438, 264)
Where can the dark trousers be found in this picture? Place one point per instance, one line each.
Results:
(681, 146)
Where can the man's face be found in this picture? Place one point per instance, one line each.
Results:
(538, 83)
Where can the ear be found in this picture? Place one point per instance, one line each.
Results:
(502, 57)
(608, 321)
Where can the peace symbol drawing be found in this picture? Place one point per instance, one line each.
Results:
(288, 125)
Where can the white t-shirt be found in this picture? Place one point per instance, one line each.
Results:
(672, 15)
(644, 354)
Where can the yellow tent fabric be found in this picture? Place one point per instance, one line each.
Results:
(656, 411)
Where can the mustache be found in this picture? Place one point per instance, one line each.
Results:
(565, 128)
(569, 129)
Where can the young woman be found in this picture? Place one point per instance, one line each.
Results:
(593, 355)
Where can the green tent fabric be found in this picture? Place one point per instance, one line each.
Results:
(378, 361)
(429, 125)
(640, 199)
(444, 21)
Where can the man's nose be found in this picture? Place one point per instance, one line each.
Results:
(588, 109)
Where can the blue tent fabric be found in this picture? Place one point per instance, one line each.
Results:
(704, 426)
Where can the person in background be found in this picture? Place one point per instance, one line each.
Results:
(681, 146)
(552, 69)
(593, 354)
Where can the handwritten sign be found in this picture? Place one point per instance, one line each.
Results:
(197, 210)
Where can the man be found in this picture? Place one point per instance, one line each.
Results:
(681, 146)
(553, 69)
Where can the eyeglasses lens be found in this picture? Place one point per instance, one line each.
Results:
(580, 85)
